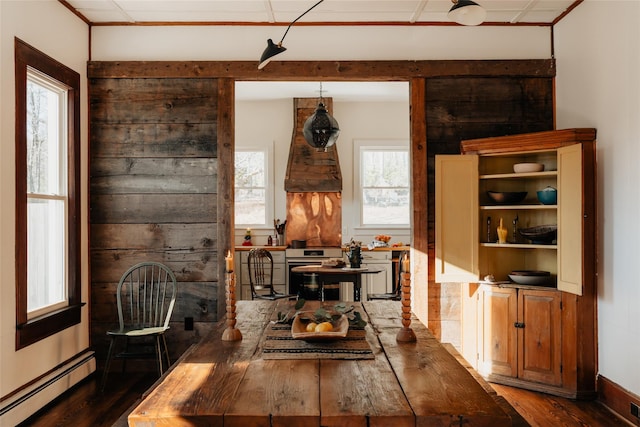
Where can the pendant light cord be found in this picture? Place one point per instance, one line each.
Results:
(295, 20)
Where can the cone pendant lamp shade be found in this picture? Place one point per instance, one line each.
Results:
(271, 51)
(275, 49)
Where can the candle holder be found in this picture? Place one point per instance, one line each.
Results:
(406, 334)
(231, 333)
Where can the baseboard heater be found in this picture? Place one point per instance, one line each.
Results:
(37, 395)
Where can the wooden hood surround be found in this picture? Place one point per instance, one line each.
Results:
(313, 183)
(308, 169)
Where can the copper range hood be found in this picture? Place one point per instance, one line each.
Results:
(313, 183)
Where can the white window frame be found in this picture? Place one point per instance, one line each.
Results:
(269, 184)
(359, 147)
(62, 132)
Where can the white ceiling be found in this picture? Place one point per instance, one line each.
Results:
(510, 12)
(283, 12)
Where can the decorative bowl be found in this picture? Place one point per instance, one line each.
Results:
(301, 320)
(548, 196)
(531, 277)
(528, 167)
(540, 234)
(507, 197)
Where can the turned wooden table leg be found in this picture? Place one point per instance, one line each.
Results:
(231, 333)
(406, 334)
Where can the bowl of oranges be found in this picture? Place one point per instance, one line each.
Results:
(309, 326)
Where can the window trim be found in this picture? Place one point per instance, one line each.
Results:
(269, 194)
(382, 144)
(29, 331)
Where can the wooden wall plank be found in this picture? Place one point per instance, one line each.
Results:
(188, 266)
(153, 101)
(153, 140)
(153, 208)
(167, 168)
(154, 235)
(194, 300)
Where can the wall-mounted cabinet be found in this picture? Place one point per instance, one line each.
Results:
(541, 338)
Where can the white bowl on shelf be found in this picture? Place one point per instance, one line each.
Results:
(528, 167)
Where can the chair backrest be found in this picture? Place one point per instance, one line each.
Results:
(260, 264)
(146, 295)
(399, 270)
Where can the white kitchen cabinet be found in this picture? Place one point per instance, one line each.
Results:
(378, 283)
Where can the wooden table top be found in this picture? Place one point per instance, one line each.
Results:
(228, 383)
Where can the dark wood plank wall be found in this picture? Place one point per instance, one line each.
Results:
(153, 193)
(155, 140)
(459, 108)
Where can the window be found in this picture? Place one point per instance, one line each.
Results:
(252, 193)
(384, 185)
(47, 195)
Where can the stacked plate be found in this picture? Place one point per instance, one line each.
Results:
(531, 277)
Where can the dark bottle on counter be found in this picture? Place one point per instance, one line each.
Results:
(270, 241)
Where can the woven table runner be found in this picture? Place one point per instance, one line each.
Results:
(279, 344)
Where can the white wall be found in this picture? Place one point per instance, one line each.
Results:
(320, 43)
(51, 28)
(598, 62)
(271, 122)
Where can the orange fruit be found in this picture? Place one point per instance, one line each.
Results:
(311, 327)
(324, 327)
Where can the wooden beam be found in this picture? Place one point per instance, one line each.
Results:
(226, 183)
(322, 70)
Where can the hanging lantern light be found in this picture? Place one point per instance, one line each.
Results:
(321, 130)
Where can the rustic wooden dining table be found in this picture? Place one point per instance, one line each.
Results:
(234, 383)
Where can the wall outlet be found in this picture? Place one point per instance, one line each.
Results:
(634, 410)
(188, 323)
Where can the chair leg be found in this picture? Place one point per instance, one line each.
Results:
(107, 365)
(159, 354)
(166, 351)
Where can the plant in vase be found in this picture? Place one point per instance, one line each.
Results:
(354, 253)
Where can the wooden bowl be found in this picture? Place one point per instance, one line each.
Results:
(507, 197)
(299, 328)
(528, 167)
(541, 234)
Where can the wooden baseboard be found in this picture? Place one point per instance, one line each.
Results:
(617, 399)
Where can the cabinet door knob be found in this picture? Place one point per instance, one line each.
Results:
(519, 325)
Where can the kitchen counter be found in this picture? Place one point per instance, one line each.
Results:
(282, 248)
(389, 248)
(248, 248)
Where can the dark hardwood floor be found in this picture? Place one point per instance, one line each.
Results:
(85, 406)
